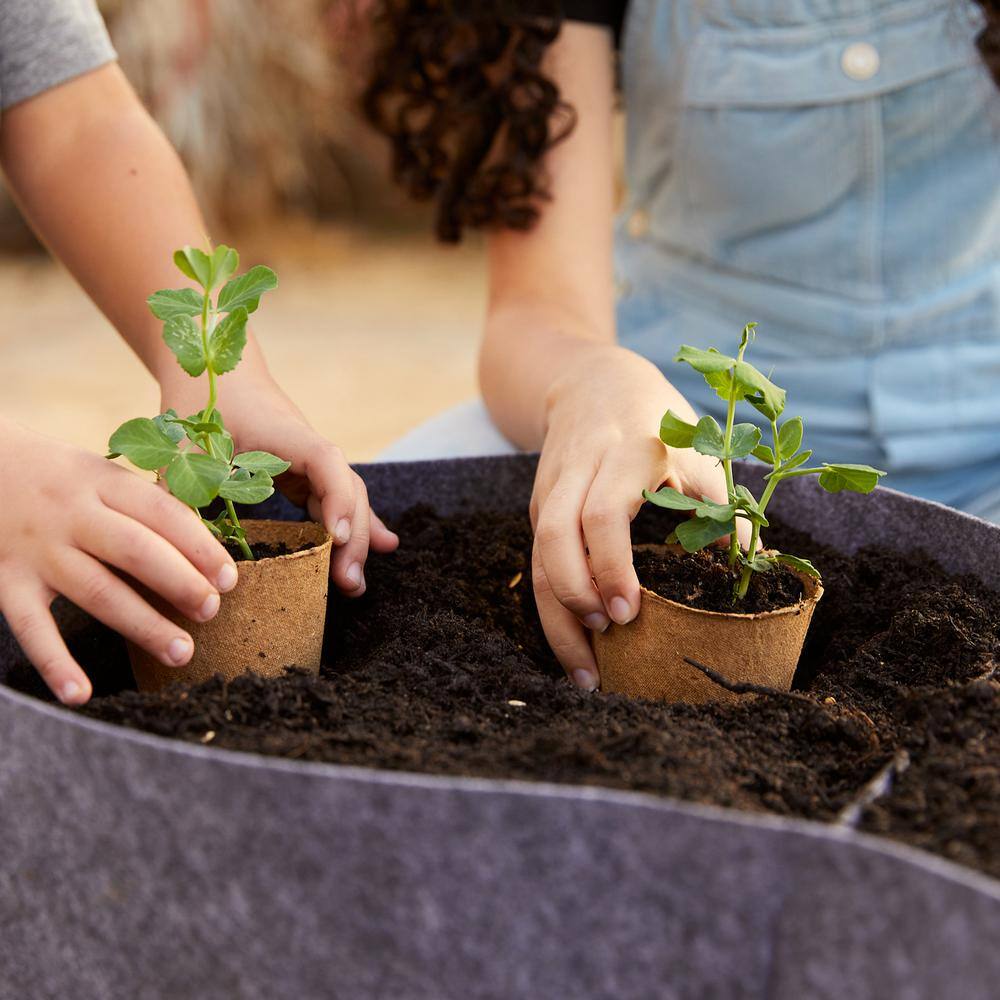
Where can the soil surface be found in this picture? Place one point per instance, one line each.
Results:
(442, 667)
(705, 580)
(264, 550)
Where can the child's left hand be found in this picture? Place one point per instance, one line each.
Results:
(260, 416)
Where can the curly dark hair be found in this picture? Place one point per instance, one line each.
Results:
(458, 89)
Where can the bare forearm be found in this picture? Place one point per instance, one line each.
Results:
(108, 195)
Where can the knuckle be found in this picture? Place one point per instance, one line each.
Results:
(601, 516)
(573, 596)
(25, 623)
(549, 533)
(97, 589)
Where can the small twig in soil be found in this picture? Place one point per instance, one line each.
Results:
(741, 687)
(878, 785)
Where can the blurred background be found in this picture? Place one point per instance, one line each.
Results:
(374, 326)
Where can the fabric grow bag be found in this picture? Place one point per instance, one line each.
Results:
(137, 867)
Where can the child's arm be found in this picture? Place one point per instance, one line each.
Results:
(554, 378)
(103, 188)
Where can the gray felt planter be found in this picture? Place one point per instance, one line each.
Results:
(134, 867)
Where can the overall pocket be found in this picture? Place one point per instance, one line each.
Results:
(780, 164)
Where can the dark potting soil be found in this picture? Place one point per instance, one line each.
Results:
(705, 580)
(265, 550)
(442, 667)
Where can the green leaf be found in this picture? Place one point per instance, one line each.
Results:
(224, 445)
(708, 438)
(225, 346)
(759, 391)
(196, 265)
(195, 478)
(795, 461)
(759, 563)
(143, 444)
(667, 496)
(716, 511)
(745, 438)
(802, 565)
(698, 532)
(261, 461)
(790, 436)
(247, 289)
(747, 502)
(225, 260)
(170, 424)
(675, 432)
(254, 490)
(168, 303)
(707, 362)
(182, 336)
(856, 478)
(672, 499)
(763, 453)
(213, 527)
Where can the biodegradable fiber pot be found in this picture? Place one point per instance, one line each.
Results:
(272, 619)
(646, 658)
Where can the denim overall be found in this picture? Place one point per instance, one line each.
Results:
(830, 169)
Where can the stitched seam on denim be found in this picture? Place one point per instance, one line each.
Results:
(876, 207)
(847, 26)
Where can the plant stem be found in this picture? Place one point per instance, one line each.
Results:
(206, 308)
(244, 548)
(741, 590)
(727, 466)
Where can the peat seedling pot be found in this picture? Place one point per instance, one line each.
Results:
(648, 658)
(272, 619)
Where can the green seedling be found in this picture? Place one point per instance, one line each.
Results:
(735, 380)
(194, 455)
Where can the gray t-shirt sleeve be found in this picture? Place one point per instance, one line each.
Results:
(46, 42)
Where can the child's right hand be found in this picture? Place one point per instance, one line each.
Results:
(68, 520)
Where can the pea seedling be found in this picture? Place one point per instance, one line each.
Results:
(736, 380)
(196, 453)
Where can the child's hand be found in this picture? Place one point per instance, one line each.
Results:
(600, 451)
(260, 416)
(68, 520)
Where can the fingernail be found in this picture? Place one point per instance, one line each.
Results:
(342, 533)
(354, 575)
(585, 679)
(620, 610)
(179, 651)
(597, 621)
(70, 691)
(229, 576)
(210, 608)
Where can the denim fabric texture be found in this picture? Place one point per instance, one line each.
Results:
(830, 169)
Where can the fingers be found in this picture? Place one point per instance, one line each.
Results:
(32, 625)
(167, 517)
(611, 504)
(145, 556)
(109, 599)
(566, 636)
(348, 564)
(382, 538)
(334, 487)
(559, 543)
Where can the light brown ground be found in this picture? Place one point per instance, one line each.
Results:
(369, 333)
